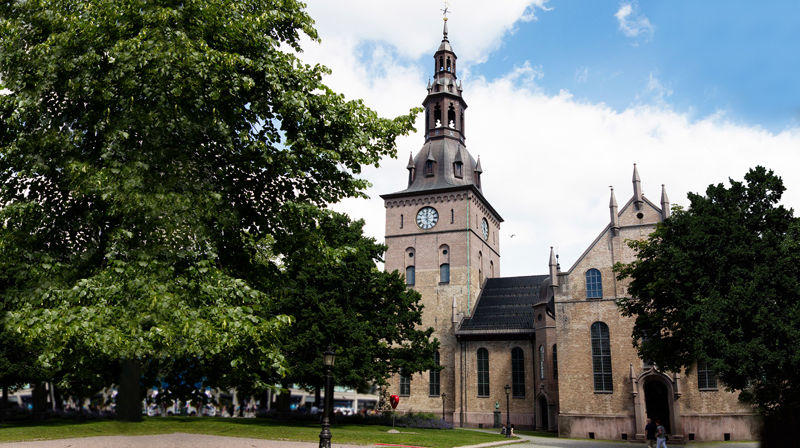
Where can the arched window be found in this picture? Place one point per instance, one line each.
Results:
(405, 386)
(434, 388)
(480, 268)
(541, 362)
(483, 372)
(428, 170)
(458, 169)
(706, 376)
(555, 362)
(448, 64)
(451, 116)
(437, 116)
(410, 275)
(601, 358)
(594, 284)
(517, 372)
(441, 64)
(444, 273)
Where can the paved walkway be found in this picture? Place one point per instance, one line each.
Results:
(179, 440)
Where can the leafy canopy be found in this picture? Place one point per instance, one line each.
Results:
(720, 282)
(145, 148)
(338, 296)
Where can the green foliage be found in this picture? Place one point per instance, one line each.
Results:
(145, 148)
(720, 282)
(338, 296)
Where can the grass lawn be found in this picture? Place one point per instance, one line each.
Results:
(254, 428)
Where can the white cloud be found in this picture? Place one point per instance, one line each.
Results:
(656, 92)
(548, 159)
(582, 75)
(412, 26)
(632, 23)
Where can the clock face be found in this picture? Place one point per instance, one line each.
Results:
(427, 217)
(485, 228)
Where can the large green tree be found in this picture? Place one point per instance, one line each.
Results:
(339, 297)
(720, 282)
(145, 147)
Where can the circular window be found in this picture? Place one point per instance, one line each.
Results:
(640, 215)
(444, 251)
(411, 254)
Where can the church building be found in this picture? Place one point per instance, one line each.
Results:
(554, 345)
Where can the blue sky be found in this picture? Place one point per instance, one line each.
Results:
(736, 56)
(565, 96)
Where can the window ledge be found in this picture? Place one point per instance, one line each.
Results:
(483, 396)
(708, 389)
(604, 391)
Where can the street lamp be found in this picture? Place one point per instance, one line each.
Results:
(444, 395)
(325, 435)
(508, 415)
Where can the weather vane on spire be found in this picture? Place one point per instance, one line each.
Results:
(446, 9)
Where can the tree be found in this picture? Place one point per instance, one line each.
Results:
(720, 283)
(338, 297)
(144, 149)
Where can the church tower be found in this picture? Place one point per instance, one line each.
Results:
(443, 234)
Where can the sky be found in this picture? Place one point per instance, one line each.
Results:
(565, 96)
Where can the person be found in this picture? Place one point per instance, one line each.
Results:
(661, 435)
(650, 433)
(503, 431)
(512, 430)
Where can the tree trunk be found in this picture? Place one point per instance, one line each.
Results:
(39, 398)
(780, 430)
(284, 401)
(4, 402)
(129, 396)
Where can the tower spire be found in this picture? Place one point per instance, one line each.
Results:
(637, 189)
(614, 211)
(664, 203)
(553, 268)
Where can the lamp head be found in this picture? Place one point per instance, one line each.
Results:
(508, 389)
(328, 357)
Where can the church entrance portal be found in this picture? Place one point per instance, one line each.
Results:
(656, 398)
(543, 413)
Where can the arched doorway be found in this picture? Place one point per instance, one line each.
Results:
(543, 408)
(656, 398)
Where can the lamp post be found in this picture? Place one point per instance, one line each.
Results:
(508, 414)
(444, 395)
(325, 435)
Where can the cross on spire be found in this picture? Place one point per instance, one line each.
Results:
(446, 9)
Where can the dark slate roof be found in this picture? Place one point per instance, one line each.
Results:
(505, 306)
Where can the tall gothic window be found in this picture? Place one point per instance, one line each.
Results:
(541, 362)
(555, 362)
(601, 358)
(706, 376)
(594, 284)
(410, 275)
(405, 385)
(517, 372)
(483, 372)
(434, 388)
